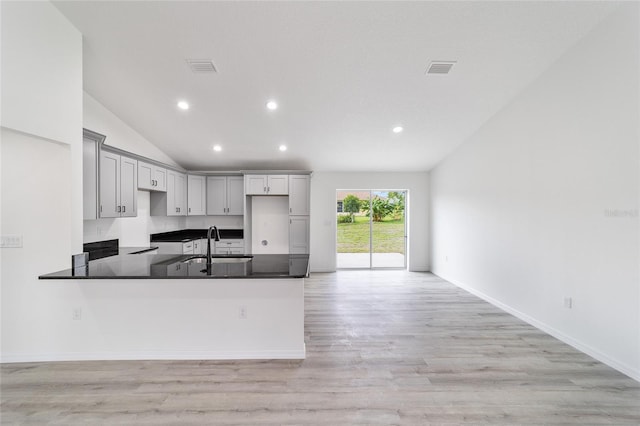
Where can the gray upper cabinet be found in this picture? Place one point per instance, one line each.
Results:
(174, 201)
(151, 177)
(266, 184)
(299, 195)
(225, 195)
(118, 185)
(196, 195)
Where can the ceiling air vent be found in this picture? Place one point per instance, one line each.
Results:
(440, 67)
(201, 65)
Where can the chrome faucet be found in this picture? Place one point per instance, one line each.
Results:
(216, 238)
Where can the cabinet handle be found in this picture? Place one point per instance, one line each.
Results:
(290, 210)
(265, 190)
(189, 209)
(100, 208)
(119, 209)
(124, 209)
(176, 210)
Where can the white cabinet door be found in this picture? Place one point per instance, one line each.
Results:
(277, 184)
(160, 178)
(181, 193)
(197, 195)
(118, 186)
(216, 195)
(128, 187)
(255, 184)
(266, 184)
(299, 195)
(299, 234)
(176, 193)
(151, 177)
(145, 175)
(225, 195)
(109, 185)
(235, 195)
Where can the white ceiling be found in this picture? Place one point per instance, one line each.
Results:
(343, 73)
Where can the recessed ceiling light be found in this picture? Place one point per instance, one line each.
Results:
(272, 105)
(217, 148)
(397, 129)
(282, 148)
(183, 105)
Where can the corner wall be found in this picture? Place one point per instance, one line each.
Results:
(41, 169)
(541, 204)
(323, 219)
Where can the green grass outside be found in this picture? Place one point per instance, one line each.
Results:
(388, 236)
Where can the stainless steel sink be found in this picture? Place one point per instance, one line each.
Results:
(224, 259)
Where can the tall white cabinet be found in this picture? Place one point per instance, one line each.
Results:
(299, 210)
(196, 195)
(118, 185)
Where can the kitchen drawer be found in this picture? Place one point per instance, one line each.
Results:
(187, 248)
(230, 244)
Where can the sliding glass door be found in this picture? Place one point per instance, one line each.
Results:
(371, 229)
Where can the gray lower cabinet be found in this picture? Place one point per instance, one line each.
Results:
(298, 234)
(118, 185)
(230, 247)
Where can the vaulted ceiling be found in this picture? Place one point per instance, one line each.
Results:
(344, 74)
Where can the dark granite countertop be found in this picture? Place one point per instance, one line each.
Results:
(171, 266)
(185, 235)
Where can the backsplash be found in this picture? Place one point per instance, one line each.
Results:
(132, 231)
(135, 231)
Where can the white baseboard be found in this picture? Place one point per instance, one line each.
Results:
(152, 355)
(581, 346)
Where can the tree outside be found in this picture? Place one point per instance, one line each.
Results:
(351, 204)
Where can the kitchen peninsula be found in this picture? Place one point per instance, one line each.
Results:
(171, 306)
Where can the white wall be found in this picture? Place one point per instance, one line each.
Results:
(131, 231)
(41, 82)
(521, 213)
(119, 134)
(323, 218)
(41, 174)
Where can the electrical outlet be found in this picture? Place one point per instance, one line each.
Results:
(568, 302)
(77, 314)
(11, 241)
(242, 312)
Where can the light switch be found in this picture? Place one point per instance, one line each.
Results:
(11, 241)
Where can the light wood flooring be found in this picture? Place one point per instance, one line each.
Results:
(383, 347)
